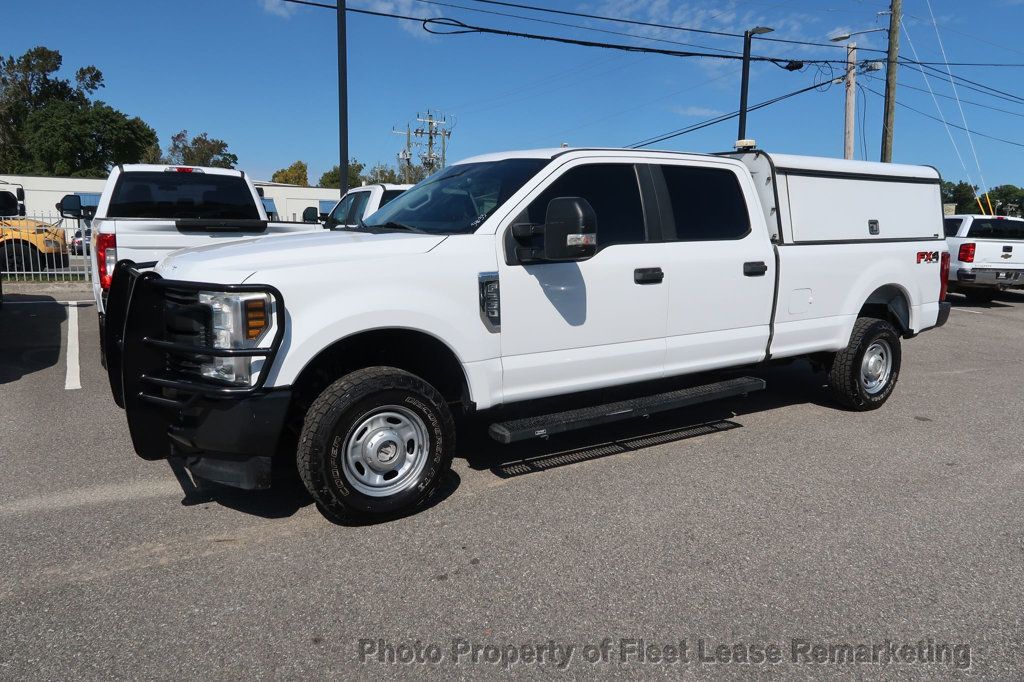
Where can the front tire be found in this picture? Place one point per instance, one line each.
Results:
(863, 375)
(375, 444)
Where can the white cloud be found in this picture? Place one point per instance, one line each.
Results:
(408, 8)
(697, 111)
(279, 8)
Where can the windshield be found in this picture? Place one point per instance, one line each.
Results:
(458, 199)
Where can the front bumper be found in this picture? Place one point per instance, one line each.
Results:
(1004, 278)
(223, 433)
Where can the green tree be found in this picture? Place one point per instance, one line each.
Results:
(82, 140)
(382, 174)
(1007, 199)
(295, 174)
(50, 126)
(201, 150)
(962, 194)
(332, 177)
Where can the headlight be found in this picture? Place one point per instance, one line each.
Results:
(237, 321)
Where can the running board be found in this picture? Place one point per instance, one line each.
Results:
(548, 424)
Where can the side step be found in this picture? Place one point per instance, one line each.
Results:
(548, 424)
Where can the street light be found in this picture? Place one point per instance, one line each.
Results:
(747, 39)
(846, 36)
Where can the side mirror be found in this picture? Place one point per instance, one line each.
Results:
(311, 214)
(20, 193)
(569, 232)
(70, 206)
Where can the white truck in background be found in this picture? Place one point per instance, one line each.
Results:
(361, 202)
(986, 255)
(611, 279)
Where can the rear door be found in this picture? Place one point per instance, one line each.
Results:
(155, 212)
(999, 242)
(719, 266)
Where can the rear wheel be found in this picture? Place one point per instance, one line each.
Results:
(15, 257)
(375, 444)
(863, 375)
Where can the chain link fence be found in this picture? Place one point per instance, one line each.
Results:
(45, 248)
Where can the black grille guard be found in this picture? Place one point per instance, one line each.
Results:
(136, 352)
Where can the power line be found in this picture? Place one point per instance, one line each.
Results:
(723, 117)
(963, 116)
(577, 26)
(649, 24)
(945, 96)
(953, 125)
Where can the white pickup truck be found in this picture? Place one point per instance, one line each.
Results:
(361, 202)
(986, 254)
(514, 277)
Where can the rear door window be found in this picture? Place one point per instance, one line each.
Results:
(707, 204)
(993, 228)
(170, 196)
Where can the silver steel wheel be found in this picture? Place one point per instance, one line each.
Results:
(876, 367)
(386, 451)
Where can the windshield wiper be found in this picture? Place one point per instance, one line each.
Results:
(392, 225)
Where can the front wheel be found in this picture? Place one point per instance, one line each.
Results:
(375, 444)
(863, 375)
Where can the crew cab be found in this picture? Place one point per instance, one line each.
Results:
(527, 286)
(360, 203)
(986, 254)
(148, 211)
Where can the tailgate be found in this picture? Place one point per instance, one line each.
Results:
(999, 241)
(143, 240)
(997, 254)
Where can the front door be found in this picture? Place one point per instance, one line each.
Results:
(574, 326)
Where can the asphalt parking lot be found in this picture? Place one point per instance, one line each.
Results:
(778, 521)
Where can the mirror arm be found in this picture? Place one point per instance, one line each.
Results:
(524, 231)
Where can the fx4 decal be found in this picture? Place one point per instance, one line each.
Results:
(927, 257)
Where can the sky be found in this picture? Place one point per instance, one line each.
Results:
(262, 75)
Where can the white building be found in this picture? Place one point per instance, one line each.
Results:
(42, 194)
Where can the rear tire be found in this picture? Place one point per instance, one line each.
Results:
(17, 257)
(375, 444)
(863, 375)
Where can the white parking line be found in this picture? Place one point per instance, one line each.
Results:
(972, 312)
(73, 378)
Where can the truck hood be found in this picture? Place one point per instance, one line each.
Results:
(232, 262)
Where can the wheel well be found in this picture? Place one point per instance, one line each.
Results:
(415, 352)
(888, 303)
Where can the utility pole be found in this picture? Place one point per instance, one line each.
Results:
(342, 98)
(889, 117)
(434, 129)
(851, 100)
(748, 37)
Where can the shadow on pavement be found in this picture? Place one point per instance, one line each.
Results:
(789, 384)
(30, 334)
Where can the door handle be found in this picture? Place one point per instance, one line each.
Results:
(648, 275)
(755, 269)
